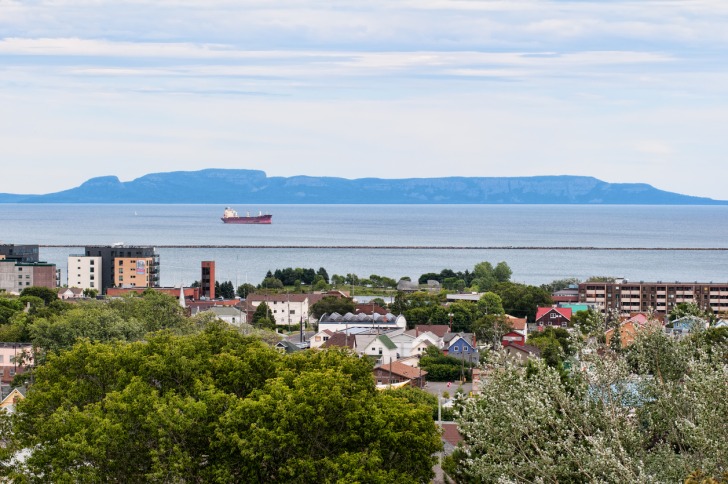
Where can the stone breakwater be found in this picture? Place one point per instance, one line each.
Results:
(413, 247)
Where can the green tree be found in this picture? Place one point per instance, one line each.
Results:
(262, 317)
(244, 290)
(325, 275)
(521, 300)
(502, 272)
(332, 304)
(226, 290)
(46, 294)
(271, 283)
(215, 407)
(682, 310)
(589, 322)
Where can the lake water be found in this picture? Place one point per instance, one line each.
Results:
(692, 227)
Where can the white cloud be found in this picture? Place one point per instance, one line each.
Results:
(393, 87)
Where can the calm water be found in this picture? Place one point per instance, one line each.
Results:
(392, 225)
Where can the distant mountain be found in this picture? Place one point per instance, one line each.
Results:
(216, 186)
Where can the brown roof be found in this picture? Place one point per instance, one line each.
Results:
(340, 339)
(400, 369)
(278, 297)
(519, 324)
(369, 309)
(439, 329)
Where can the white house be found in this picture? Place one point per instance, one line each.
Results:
(229, 314)
(423, 341)
(383, 349)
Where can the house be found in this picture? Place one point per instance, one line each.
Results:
(341, 340)
(424, 341)
(397, 372)
(301, 339)
(70, 293)
(285, 346)
(229, 314)
(518, 324)
(382, 349)
(521, 352)
(11, 399)
(404, 341)
(460, 345)
(721, 324)
(629, 328)
(550, 316)
(513, 337)
(13, 360)
(320, 338)
(440, 330)
(686, 325)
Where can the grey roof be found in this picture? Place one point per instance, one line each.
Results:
(288, 346)
(296, 337)
(225, 311)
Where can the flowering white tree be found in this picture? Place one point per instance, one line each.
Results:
(654, 414)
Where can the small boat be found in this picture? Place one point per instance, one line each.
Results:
(230, 216)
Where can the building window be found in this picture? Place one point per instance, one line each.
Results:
(1, 359)
(293, 311)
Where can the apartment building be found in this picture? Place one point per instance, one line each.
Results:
(111, 261)
(20, 253)
(630, 297)
(84, 272)
(16, 276)
(133, 271)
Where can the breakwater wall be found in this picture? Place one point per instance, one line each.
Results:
(408, 247)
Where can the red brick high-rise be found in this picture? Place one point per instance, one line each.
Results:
(207, 281)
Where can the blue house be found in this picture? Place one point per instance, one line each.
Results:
(460, 345)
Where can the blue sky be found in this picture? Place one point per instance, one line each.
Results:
(625, 91)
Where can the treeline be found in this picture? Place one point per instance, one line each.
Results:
(483, 277)
(319, 279)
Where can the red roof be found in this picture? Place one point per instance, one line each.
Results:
(400, 369)
(519, 324)
(565, 312)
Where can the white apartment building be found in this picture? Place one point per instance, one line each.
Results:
(285, 309)
(84, 272)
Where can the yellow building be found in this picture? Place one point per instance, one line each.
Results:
(132, 271)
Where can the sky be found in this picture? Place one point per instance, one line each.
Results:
(624, 91)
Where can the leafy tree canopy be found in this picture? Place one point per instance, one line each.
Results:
(215, 407)
(332, 304)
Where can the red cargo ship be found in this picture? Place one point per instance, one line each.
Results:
(230, 216)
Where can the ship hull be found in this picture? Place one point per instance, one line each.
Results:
(258, 219)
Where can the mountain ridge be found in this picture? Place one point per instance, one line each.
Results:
(236, 186)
